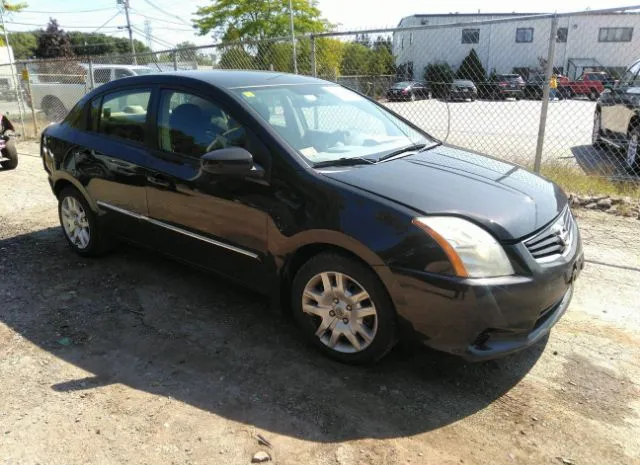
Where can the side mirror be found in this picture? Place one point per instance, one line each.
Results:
(230, 161)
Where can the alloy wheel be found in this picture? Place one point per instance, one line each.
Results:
(345, 315)
(75, 222)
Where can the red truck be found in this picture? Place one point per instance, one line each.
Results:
(591, 84)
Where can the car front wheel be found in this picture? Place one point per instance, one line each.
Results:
(343, 309)
(80, 224)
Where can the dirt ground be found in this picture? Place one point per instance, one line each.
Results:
(135, 359)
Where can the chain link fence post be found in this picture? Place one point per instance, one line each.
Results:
(314, 70)
(175, 61)
(27, 80)
(545, 93)
(92, 84)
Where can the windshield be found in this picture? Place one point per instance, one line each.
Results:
(401, 85)
(329, 122)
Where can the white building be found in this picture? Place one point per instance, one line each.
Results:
(583, 42)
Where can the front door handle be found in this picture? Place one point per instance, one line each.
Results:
(159, 180)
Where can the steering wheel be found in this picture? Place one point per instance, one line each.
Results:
(221, 139)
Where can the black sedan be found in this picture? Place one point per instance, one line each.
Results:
(408, 90)
(462, 89)
(353, 221)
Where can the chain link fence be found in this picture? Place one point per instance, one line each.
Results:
(556, 93)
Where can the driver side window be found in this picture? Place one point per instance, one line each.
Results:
(191, 125)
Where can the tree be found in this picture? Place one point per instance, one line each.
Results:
(24, 44)
(471, 68)
(10, 7)
(54, 42)
(355, 60)
(257, 19)
(381, 61)
(439, 76)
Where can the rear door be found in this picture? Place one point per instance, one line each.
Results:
(112, 158)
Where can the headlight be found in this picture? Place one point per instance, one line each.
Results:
(472, 251)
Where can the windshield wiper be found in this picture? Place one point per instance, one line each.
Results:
(418, 148)
(344, 161)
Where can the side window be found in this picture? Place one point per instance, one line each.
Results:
(76, 117)
(101, 75)
(630, 77)
(94, 113)
(122, 72)
(191, 125)
(123, 114)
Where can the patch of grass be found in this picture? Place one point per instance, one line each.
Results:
(572, 180)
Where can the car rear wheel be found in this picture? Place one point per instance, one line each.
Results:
(343, 309)
(54, 109)
(11, 152)
(80, 224)
(632, 160)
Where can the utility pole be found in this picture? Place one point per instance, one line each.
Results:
(293, 38)
(125, 3)
(14, 71)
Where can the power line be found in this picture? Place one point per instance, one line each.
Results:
(140, 13)
(153, 38)
(64, 27)
(150, 3)
(107, 21)
(65, 12)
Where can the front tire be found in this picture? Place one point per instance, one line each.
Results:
(80, 224)
(343, 309)
(11, 152)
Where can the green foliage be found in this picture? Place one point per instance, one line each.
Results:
(471, 68)
(439, 76)
(95, 44)
(257, 19)
(24, 44)
(236, 57)
(53, 42)
(355, 60)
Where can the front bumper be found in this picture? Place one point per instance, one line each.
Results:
(482, 319)
(461, 95)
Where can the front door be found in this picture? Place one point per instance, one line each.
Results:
(215, 221)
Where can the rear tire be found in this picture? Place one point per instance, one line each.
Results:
(11, 152)
(596, 133)
(54, 108)
(80, 224)
(343, 309)
(631, 158)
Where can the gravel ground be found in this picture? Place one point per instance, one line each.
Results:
(133, 358)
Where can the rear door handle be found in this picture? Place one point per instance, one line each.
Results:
(159, 180)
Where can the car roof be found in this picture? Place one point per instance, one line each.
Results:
(231, 79)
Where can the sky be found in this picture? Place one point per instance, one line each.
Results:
(169, 26)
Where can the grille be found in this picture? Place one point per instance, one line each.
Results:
(554, 240)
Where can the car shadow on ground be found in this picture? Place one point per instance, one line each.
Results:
(138, 319)
(606, 161)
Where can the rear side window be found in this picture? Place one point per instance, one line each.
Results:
(124, 114)
(121, 73)
(76, 118)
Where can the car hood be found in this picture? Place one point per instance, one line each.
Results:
(506, 199)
